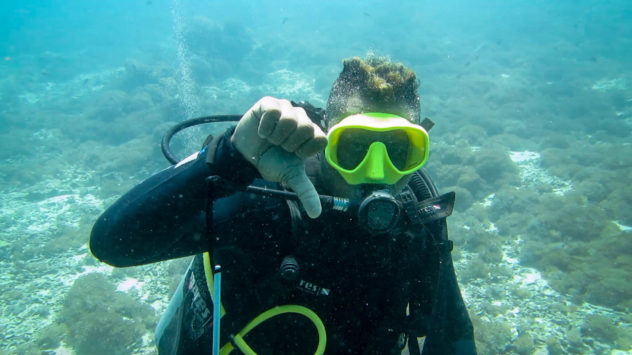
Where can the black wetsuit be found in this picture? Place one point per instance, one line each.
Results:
(358, 284)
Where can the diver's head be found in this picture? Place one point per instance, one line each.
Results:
(372, 118)
(374, 84)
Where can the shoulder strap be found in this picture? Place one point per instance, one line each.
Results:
(426, 208)
(424, 205)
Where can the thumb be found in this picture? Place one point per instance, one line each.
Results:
(300, 183)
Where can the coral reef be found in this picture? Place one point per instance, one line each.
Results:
(51, 336)
(100, 320)
(493, 337)
(533, 135)
(524, 344)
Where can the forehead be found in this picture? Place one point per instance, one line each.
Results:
(355, 104)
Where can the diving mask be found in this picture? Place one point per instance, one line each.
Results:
(376, 148)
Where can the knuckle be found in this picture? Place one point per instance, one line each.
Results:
(299, 110)
(268, 103)
(305, 129)
(285, 102)
(263, 103)
(288, 120)
(267, 99)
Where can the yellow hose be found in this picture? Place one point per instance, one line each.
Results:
(239, 338)
(208, 273)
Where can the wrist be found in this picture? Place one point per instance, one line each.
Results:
(227, 162)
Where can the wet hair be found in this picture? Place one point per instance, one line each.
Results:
(375, 84)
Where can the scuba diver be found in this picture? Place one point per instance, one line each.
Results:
(326, 243)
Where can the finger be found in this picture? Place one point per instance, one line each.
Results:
(312, 146)
(283, 129)
(286, 125)
(306, 192)
(301, 134)
(269, 113)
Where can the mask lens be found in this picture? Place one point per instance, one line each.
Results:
(397, 144)
(354, 143)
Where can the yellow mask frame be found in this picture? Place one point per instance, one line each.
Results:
(377, 167)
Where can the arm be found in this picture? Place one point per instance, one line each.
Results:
(437, 306)
(451, 331)
(163, 217)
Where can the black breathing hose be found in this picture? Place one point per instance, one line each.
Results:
(164, 145)
(166, 151)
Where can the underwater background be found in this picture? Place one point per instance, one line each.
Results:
(533, 106)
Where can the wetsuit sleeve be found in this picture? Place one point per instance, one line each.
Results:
(443, 315)
(452, 333)
(164, 216)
